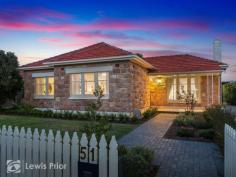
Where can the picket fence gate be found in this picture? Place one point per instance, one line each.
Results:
(230, 152)
(35, 148)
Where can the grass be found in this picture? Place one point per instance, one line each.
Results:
(118, 129)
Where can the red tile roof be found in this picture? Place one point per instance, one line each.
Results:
(182, 63)
(99, 50)
(162, 64)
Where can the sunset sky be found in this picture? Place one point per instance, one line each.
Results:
(38, 29)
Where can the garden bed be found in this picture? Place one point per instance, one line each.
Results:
(191, 127)
(172, 134)
(27, 110)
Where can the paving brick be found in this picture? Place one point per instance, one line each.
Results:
(177, 158)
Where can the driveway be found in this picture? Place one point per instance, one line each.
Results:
(176, 158)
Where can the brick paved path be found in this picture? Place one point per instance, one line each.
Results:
(176, 158)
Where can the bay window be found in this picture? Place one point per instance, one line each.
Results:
(44, 87)
(83, 85)
(181, 85)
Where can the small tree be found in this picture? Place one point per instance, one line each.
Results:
(189, 100)
(10, 80)
(229, 93)
(99, 127)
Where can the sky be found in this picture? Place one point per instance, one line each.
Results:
(36, 29)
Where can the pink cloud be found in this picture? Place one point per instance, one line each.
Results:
(37, 17)
(29, 26)
(50, 40)
(178, 35)
(146, 25)
(228, 37)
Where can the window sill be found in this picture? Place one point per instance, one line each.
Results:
(179, 102)
(44, 97)
(87, 97)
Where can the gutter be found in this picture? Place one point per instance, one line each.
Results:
(189, 72)
(134, 58)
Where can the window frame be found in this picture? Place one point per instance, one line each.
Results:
(96, 82)
(189, 88)
(47, 95)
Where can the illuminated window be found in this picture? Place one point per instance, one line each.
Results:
(44, 86)
(182, 85)
(76, 84)
(83, 84)
(89, 83)
(103, 81)
(194, 87)
(173, 91)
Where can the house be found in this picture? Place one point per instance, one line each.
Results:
(67, 81)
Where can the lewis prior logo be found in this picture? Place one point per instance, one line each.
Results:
(13, 166)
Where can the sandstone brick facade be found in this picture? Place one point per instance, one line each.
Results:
(128, 89)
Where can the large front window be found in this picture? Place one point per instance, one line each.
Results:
(44, 87)
(182, 85)
(84, 84)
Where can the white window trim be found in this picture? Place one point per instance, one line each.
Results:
(78, 70)
(89, 96)
(44, 96)
(47, 74)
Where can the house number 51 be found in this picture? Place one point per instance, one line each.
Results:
(84, 154)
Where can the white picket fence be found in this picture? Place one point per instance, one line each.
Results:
(230, 151)
(35, 148)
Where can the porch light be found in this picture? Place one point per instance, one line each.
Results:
(159, 81)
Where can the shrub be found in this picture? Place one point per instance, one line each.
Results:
(184, 120)
(184, 132)
(229, 93)
(201, 123)
(123, 118)
(150, 112)
(29, 110)
(137, 162)
(122, 150)
(218, 117)
(208, 134)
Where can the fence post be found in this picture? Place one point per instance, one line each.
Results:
(113, 158)
(22, 147)
(58, 152)
(3, 151)
(74, 155)
(28, 151)
(16, 137)
(36, 151)
(9, 145)
(50, 152)
(83, 149)
(93, 150)
(103, 157)
(230, 151)
(42, 152)
(66, 154)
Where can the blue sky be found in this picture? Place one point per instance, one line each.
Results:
(39, 29)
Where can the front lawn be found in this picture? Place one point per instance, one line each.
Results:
(118, 129)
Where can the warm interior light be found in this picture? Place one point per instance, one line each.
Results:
(159, 81)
